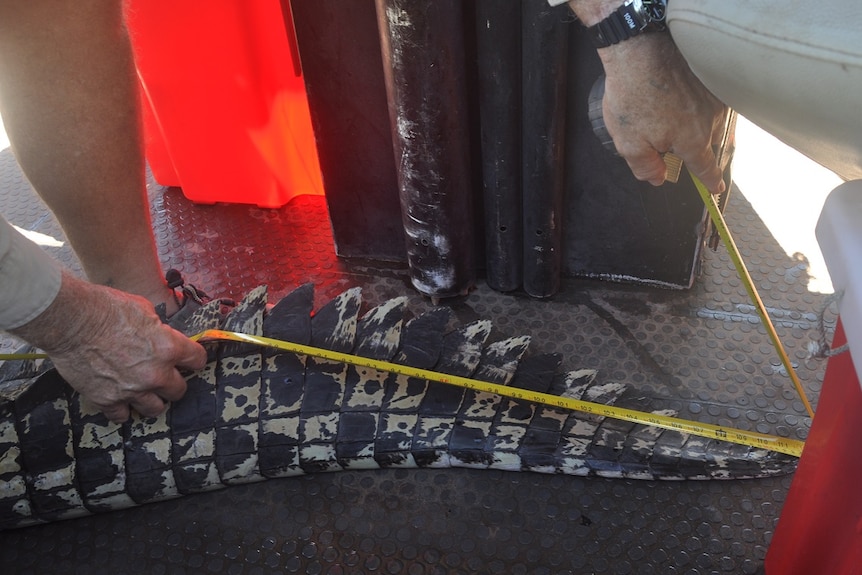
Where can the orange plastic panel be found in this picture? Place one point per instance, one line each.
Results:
(225, 111)
(820, 528)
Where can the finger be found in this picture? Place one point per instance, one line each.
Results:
(705, 167)
(189, 354)
(149, 405)
(648, 167)
(117, 413)
(174, 388)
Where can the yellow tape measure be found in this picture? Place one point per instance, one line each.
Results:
(733, 251)
(749, 438)
(730, 434)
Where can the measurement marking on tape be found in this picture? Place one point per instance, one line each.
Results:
(749, 438)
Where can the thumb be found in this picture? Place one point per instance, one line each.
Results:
(189, 354)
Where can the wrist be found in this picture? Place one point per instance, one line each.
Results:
(71, 317)
(645, 51)
(591, 12)
(626, 19)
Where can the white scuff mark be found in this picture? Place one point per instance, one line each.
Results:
(442, 244)
(623, 278)
(406, 128)
(207, 235)
(247, 250)
(777, 312)
(435, 281)
(398, 17)
(413, 234)
(195, 248)
(747, 313)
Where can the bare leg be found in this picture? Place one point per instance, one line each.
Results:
(69, 100)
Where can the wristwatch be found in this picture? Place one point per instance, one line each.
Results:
(630, 19)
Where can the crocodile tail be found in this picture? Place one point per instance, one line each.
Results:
(254, 413)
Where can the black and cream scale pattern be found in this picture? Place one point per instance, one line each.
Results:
(259, 413)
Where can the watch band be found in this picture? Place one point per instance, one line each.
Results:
(627, 21)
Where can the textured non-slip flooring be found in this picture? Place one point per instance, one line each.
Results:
(704, 349)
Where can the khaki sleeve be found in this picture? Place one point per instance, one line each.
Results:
(29, 278)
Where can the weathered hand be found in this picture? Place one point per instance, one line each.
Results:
(113, 349)
(654, 104)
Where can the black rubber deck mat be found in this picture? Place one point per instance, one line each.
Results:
(702, 351)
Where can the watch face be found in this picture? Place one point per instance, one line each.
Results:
(656, 10)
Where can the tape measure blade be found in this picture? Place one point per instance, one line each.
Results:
(750, 439)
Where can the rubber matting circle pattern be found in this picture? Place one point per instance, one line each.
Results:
(703, 349)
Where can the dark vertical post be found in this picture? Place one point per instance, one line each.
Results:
(423, 60)
(498, 38)
(339, 47)
(544, 49)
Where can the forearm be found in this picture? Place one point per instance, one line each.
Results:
(75, 312)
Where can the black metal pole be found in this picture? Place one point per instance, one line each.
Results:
(498, 38)
(544, 50)
(423, 60)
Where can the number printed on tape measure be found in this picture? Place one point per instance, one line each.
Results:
(751, 439)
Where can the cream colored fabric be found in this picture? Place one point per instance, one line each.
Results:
(793, 67)
(29, 278)
(840, 239)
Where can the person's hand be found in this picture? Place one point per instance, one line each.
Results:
(654, 104)
(113, 349)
